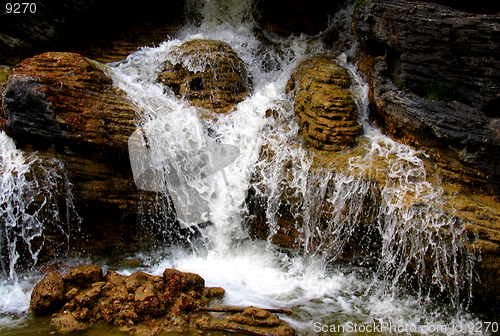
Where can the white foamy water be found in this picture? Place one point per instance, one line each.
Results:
(255, 273)
(320, 291)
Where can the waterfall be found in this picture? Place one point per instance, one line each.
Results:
(328, 207)
(381, 190)
(35, 191)
(35, 202)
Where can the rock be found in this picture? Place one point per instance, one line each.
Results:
(48, 294)
(256, 317)
(208, 73)
(414, 44)
(88, 297)
(252, 321)
(68, 99)
(433, 45)
(65, 106)
(427, 43)
(324, 107)
(140, 303)
(66, 323)
(85, 275)
(463, 140)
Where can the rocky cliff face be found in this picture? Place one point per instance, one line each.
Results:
(410, 48)
(426, 43)
(65, 106)
(426, 46)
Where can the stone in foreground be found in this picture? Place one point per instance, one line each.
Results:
(142, 304)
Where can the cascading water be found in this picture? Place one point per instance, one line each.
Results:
(399, 207)
(35, 191)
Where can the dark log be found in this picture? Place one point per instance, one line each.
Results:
(226, 309)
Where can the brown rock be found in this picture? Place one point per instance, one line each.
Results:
(71, 294)
(47, 294)
(256, 317)
(427, 43)
(146, 300)
(65, 106)
(145, 304)
(208, 73)
(324, 108)
(85, 276)
(214, 292)
(67, 98)
(89, 296)
(253, 321)
(66, 323)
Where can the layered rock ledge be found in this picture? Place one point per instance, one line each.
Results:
(324, 106)
(421, 46)
(65, 107)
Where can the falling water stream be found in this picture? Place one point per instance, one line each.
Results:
(322, 291)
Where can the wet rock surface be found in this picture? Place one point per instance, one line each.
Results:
(142, 304)
(324, 106)
(66, 98)
(409, 49)
(427, 46)
(463, 140)
(252, 320)
(64, 106)
(48, 294)
(427, 43)
(207, 73)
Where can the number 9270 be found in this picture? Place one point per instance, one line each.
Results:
(20, 7)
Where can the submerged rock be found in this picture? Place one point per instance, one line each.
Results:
(66, 323)
(324, 106)
(141, 303)
(208, 73)
(253, 321)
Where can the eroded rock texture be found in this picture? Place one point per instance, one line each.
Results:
(208, 73)
(142, 304)
(324, 106)
(48, 294)
(427, 45)
(410, 45)
(69, 98)
(65, 106)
